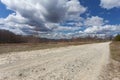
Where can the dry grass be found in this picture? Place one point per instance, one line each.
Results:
(115, 50)
(6, 48)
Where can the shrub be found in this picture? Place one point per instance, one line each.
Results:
(117, 38)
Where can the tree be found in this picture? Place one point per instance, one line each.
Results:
(117, 38)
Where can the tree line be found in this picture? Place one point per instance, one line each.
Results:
(9, 37)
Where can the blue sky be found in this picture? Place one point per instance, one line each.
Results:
(3, 11)
(94, 9)
(68, 18)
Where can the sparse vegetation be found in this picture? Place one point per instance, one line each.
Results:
(117, 38)
(9, 37)
(6, 48)
(115, 50)
(9, 42)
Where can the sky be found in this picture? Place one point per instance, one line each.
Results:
(58, 19)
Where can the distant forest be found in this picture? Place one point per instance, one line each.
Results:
(9, 37)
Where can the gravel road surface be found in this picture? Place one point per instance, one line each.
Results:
(83, 62)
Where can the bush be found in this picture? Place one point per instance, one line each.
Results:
(9, 37)
(117, 38)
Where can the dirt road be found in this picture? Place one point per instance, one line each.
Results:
(82, 62)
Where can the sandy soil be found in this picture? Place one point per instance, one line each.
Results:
(83, 62)
(111, 71)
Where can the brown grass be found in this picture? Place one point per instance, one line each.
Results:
(6, 48)
(115, 50)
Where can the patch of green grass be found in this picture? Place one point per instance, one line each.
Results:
(115, 50)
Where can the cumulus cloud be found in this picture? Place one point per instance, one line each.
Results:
(56, 27)
(74, 9)
(38, 13)
(109, 4)
(16, 23)
(98, 25)
(94, 21)
(43, 17)
(52, 19)
(103, 29)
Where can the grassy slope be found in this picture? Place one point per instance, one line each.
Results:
(115, 50)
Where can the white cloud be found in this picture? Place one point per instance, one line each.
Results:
(94, 21)
(16, 23)
(99, 31)
(74, 9)
(109, 4)
(42, 16)
(46, 16)
(56, 35)
(103, 29)
(59, 28)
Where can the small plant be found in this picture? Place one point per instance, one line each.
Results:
(20, 74)
(117, 38)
